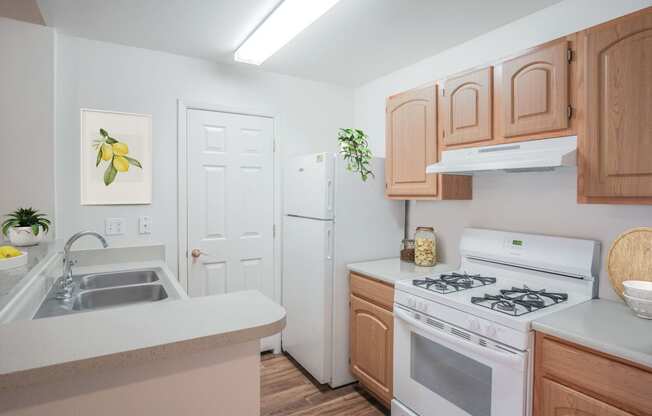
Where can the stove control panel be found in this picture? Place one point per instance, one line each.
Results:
(464, 321)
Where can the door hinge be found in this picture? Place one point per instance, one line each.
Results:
(443, 92)
(274, 146)
(569, 111)
(274, 231)
(569, 54)
(443, 133)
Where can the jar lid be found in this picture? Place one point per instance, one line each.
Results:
(425, 229)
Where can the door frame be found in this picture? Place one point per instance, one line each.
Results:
(182, 186)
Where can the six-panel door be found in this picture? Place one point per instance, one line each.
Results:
(230, 217)
(466, 108)
(411, 140)
(372, 337)
(617, 144)
(534, 96)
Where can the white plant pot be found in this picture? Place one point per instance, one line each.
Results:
(23, 236)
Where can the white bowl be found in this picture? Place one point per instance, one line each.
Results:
(642, 307)
(13, 262)
(638, 289)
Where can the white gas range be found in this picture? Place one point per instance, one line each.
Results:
(463, 341)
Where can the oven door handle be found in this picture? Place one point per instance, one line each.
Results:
(511, 359)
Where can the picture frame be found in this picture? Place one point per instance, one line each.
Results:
(115, 158)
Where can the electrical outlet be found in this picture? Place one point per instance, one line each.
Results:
(145, 224)
(114, 226)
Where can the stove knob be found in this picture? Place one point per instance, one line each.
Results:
(412, 302)
(491, 331)
(474, 325)
(424, 307)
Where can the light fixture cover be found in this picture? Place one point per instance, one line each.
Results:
(285, 22)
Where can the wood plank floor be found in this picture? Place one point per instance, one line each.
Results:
(287, 390)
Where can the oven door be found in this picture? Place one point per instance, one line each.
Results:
(437, 373)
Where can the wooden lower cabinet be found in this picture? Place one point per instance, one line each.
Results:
(559, 400)
(571, 380)
(371, 338)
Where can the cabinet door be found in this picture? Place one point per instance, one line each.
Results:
(535, 91)
(559, 400)
(372, 339)
(617, 144)
(411, 138)
(466, 108)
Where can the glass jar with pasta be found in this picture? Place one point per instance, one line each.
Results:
(425, 247)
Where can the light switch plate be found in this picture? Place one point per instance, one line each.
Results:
(145, 224)
(114, 226)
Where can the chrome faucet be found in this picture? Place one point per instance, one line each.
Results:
(65, 282)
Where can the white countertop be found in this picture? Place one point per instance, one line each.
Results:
(229, 318)
(33, 350)
(393, 269)
(603, 325)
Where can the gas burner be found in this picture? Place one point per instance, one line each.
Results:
(525, 293)
(453, 282)
(519, 301)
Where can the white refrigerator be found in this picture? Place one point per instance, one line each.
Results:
(332, 218)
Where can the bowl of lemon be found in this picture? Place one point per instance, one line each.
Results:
(11, 257)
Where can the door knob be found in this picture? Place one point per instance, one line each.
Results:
(196, 253)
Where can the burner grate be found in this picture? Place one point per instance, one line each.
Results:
(453, 282)
(519, 301)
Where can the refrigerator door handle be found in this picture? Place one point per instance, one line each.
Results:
(329, 244)
(329, 195)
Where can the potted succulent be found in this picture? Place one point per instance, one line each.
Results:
(25, 227)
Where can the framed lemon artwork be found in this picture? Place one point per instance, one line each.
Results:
(116, 158)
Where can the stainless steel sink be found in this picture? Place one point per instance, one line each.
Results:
(104, 280)
(118, 296)
(105, 290)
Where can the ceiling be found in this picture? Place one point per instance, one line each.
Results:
(354, 42)
(25, 10)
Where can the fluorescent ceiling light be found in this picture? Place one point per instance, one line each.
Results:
(285, 22)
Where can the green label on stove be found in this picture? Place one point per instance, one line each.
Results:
(518, 243)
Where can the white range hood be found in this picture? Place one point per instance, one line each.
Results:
(535, 155)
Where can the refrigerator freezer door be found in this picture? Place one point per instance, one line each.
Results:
(307, 293)
(309, 185)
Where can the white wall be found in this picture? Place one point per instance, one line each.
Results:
(106, 76)
(539, 203)
(26, 116)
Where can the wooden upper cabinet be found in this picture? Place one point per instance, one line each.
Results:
(411, 145)
(559, 400)
(466, 108)
(535, 90)
(617, 141)
(411, 141)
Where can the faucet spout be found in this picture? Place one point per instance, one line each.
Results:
(66, 278)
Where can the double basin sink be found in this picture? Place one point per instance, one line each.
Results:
(105, 290)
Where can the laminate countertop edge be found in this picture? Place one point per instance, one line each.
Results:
(605, 326)
(140, 333)
(391, 270)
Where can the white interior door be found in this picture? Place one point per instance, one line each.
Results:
(230, 203)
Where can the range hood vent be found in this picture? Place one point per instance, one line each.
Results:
(530, 156)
